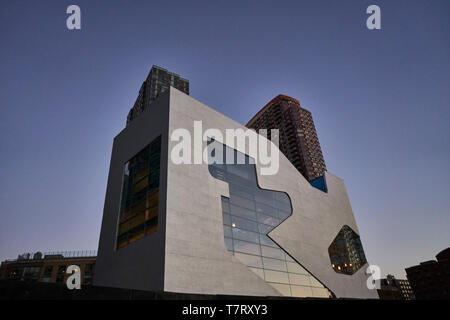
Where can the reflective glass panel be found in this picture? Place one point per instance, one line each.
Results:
(249, 214)
(346, 252)
(140, 194)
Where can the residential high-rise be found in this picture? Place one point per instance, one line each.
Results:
(158, 80)
(298, 137)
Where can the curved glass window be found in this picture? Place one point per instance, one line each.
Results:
(346, 252)
(249, 214)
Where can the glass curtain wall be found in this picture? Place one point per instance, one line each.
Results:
(140, 195)
(249, 214)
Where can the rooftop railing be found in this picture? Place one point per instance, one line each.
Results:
(64, 254)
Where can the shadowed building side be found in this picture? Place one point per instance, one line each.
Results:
(430, 280)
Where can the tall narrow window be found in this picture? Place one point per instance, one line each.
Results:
(140, 195)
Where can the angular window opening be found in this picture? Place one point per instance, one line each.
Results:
(249, 214)
(346, 252)
(140, 195)
(320, 183)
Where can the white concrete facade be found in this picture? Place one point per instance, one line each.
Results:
(189, 244)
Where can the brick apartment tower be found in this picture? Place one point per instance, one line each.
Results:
(298, 136)
(158, 81)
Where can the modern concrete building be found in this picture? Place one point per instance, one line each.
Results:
(157, 81)
(298, 137)
(220, 229)
(49, 267)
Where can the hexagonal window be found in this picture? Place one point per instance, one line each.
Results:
(346, 252)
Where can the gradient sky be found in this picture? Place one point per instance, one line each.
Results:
(380, 101)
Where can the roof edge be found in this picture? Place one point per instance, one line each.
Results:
(263, 109)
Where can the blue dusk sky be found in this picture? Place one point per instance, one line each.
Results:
(380, 100)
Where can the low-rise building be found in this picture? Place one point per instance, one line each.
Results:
(395, 289)
(49, 267)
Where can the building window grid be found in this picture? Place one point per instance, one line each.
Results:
(346, 252)
(264, 250)
(140, 195)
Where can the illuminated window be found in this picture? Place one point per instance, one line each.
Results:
(140, 194)
(346, 252)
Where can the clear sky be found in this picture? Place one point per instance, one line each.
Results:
(380, 101)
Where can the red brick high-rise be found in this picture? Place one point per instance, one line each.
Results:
(298, 137)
